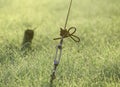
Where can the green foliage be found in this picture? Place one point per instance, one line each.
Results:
(94, 62)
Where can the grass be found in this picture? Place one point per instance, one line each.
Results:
(94, 62)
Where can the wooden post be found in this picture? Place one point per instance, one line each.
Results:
(27, 39)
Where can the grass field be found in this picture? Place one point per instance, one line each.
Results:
(94, 62)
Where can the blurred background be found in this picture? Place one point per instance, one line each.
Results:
(94, 62)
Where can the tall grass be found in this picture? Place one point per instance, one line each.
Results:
(94, 62)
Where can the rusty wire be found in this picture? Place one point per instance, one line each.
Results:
(64, 33)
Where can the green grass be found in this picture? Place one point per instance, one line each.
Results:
(94, 62)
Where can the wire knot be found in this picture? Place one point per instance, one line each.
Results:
(64, 33)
